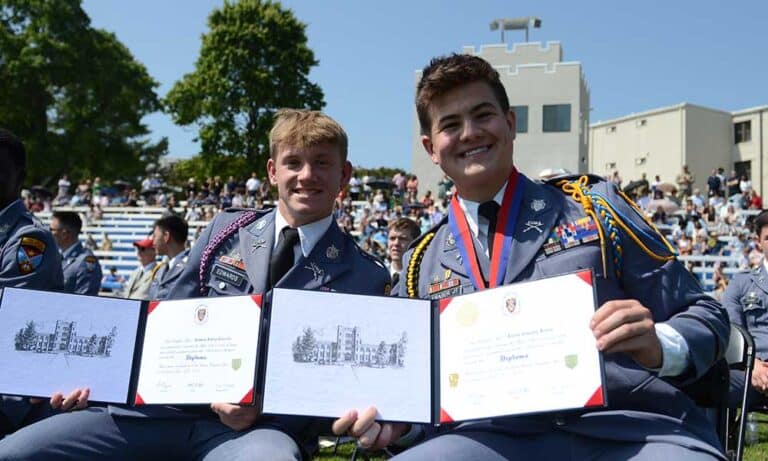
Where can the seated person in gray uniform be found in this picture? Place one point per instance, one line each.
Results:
(296, 245)
(169, 237)
(746, 301)
(82, 271)
(28, 259)
(656, 327)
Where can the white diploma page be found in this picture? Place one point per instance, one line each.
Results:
(201, 350)
(56, 342)
(522, 348)
(329, 353)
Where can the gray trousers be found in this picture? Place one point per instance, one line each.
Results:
(553, 445)
(95, 434)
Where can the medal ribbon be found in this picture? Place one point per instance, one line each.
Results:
(503, 235)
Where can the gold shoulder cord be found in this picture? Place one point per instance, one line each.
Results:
(601, 211)
(576, 190)
(414, 265)
(157, 268)
(649, 222)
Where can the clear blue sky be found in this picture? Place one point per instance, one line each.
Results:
(636, 55)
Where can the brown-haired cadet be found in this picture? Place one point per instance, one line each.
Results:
(295, 245)
(400, 233)
(28, 257)
(82, 271)
(169, 237)
(746, 301)
(656, 327)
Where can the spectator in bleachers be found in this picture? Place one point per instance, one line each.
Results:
(252, 187)
(659, 216)
(746, 301)
(354, 188)
(412, 189)
(732, 183)
(90, 243)
(656, 192)
(82, 271)
(684, 182)
(191, 189)
(265, 191)
(106, 242)
(445, 188)
(745, 185)
(755, 202)
(169, 237)
(113, 281)
(697, 199)
(140, 280)
(713, 184)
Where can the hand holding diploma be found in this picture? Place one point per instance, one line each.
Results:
(237, 417)
(627, 326)
(368, 432)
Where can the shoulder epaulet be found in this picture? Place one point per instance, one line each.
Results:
(592, 193)
(558, 180)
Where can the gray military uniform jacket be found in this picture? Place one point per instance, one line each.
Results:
(29, 258)
(239, 264)
(642, 406)
(82, 271)
(746, 301)
(165, 276)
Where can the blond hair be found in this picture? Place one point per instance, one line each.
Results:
(305, 128)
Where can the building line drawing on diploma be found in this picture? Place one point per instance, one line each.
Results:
(348, 348)
(64, 339)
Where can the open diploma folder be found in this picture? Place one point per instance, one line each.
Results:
(192, 351)
(511, 350)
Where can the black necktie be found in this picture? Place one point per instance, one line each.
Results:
(282, 258)
(489, 210)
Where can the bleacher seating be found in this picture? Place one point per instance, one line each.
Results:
(123, 225)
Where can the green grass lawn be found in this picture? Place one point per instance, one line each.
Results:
(759, 451)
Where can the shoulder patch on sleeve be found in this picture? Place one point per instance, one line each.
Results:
(30, 254)
(90, 263)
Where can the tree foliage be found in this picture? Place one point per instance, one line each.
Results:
(74, 94)
(254, 60)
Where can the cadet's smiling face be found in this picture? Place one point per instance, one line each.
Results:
(308, 181)
(471, 138)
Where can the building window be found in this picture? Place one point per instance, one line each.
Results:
(521, 118)
(611, 129)
(742, 131)
(557, 118)
(641, 123)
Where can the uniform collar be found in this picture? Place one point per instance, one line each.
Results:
(309, 234)
(175, 260)
(74, 248)
(471, 208)
(149, 266)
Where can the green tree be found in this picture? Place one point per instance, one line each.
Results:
(74, 94)
(254, 60)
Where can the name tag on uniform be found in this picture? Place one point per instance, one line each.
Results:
(222, 273)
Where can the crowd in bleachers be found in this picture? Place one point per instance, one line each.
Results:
(711, 232)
